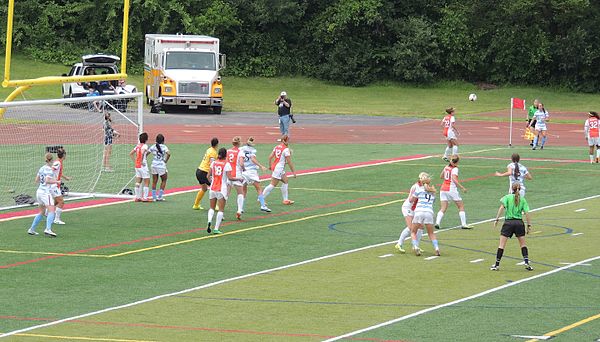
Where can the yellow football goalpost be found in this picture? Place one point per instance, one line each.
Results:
(25, 84)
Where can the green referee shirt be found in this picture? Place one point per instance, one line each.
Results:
(514, 212)
(531, 112)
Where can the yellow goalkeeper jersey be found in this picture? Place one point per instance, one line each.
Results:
(209, 156)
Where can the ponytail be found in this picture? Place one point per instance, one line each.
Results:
(516, 187)
(159, 140)
(516, 171)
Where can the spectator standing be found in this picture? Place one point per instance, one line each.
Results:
(284, 109)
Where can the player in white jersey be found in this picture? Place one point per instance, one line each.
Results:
(541, 117)
(517, 173)
(250, 174)
(408, 212)
(46, 178)
(161, 154)
(424, 197)
(56, 190)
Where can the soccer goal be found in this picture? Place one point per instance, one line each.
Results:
(97, 157)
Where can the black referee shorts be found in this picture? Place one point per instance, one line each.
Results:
(510, 227)
(202, 177)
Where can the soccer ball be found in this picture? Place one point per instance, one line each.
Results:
(472, 97)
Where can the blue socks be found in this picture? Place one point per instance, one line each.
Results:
(435, 244)
(36, 221)
(49, 221)
(535, 141)
(154, 194)
(160, 193)
(543, 140)
(261, 198)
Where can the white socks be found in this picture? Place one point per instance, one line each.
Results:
(463, 218)
(438, 219)
(57, 214)
(211, 213)
(267, 190)
(240, 203)
(219, 219)
(138, 190)
(454, 150)
(284, 191)
(405, 233)
(447, 151)
(145, 193)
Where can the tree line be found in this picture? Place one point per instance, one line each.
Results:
(350, 42)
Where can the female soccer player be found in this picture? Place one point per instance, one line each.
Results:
(218, 188)
(530, 115)
(159, 166)
(515, 207)
(250, 173)
(280, 156)
(142, 175)
(517, 173)
(408, 211)
(55, 188)
(592, 135)
(233, 158)
(541, 117)
(424, 197)
(450, 132)
(449, 192)
(45, 177)
(202, 171)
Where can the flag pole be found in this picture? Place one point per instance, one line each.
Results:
(511, 123)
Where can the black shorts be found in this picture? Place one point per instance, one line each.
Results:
(510, 227)
(531, 122)
(108, 139)
(202, 177)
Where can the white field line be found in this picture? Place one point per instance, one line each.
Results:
(476, 261)
(481, 294)
(431, 257)
(334, 169)
(268, 271)
(576, 234)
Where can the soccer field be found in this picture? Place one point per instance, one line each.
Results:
(321, 269)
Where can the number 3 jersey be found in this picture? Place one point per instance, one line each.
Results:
(45, 172)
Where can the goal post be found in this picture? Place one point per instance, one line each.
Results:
(97, 159)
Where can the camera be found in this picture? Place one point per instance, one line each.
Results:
(292, 118)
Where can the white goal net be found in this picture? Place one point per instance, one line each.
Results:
(97, 158)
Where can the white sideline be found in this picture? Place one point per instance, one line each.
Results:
(480, 294)
(307, 262)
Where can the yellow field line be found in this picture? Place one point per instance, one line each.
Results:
(81, 338)
(53, 253)
(350, 191)
(568, 327)
(255, 228)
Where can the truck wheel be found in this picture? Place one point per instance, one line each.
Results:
(216, 110)
(154, 109)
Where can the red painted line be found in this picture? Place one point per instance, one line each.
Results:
(85, 204)
(188, 328)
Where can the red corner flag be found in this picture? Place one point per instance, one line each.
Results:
(518, 103)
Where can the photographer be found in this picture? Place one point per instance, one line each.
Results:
(284, 108)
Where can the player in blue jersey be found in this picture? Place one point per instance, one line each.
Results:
(46, 178)
(250, 174)
(424, 197)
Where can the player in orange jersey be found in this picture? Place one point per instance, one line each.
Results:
(219, 174)
(233, 158)
(449, 192)
(280, 156)
(592, 135)
(142, 174)
(56, 188)
(450, 133)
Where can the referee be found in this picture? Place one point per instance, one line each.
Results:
(513, 224)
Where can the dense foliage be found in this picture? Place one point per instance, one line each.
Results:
(353, 42)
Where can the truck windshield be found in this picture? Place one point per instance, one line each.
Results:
(190, 60)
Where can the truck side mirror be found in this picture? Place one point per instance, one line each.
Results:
(222, 61)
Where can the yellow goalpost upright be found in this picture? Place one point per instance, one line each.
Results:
(25, 84)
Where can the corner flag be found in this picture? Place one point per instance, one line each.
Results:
(515, 103)
(518, 103)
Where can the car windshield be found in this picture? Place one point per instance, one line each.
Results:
(191, 60)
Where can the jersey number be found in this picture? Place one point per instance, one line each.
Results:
(218, 170)
(232, 157)
(447, 175)
(593, 124)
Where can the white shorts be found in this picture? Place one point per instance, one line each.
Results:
(540, 127)
(55, 191)
(593, 141)
(142, 172)
(44, 198)
(451, 135)
(278, 173)
(423, 217)
(217, 194)
(450, 196)
(407, 211)
(251, 176)
(236, 183)
(159, 170)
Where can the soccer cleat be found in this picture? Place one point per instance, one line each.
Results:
(208, 230)
(495, 268)
(148, 200)
(197, 207)
(31, 232)
(597, 160)
(238, 215)
(138, 200)
(288, 202)
(58, 222)
(265, 209)
(437, 252)
(49, 233)
(468, 226)
(528, 267)
(160, 199)
(399, 248)
(216, 231)
(437, 226)
(417, 251)
(542, 147)
(533, 148)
